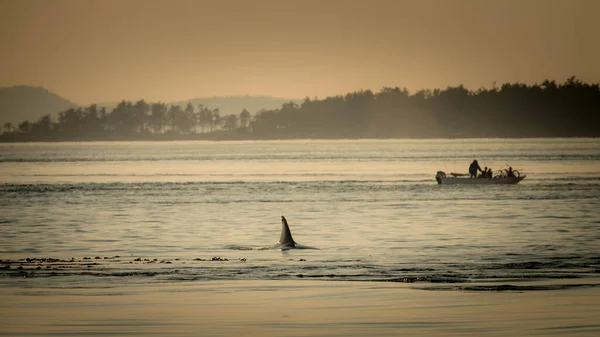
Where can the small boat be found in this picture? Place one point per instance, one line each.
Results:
(464, 179)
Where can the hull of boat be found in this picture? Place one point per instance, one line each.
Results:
(479, 181)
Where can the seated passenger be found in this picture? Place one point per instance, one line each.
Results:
(489, 172)
(483, 173)
(510, 173)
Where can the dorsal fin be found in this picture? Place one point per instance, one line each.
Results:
(286, 234)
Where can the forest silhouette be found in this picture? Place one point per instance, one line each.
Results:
(570, 109)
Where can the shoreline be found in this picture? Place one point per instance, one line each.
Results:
(292, 308)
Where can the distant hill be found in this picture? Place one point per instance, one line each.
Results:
(226, 104)
(20, 103)
(235, 104)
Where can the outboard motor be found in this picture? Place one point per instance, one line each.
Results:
(439, 176)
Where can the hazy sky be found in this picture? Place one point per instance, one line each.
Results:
(105, 50)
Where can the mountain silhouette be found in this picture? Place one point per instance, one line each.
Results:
(27, 103)
(20, 103)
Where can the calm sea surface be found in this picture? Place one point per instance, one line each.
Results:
(105, 212)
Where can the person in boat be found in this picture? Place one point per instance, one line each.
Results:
(510, 173)
(483, 173)
(473, 168)
(489, 172)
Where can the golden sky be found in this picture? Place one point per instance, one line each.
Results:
(106, 50)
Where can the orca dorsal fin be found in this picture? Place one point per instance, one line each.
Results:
(286, 235)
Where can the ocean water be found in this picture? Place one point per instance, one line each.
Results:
(83, 214)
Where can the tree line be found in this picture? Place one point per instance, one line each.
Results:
(569, 109)
(127, 121)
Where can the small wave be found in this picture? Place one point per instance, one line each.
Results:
(236, 247)
(573, 178)
(510, 287)
(556, 263)
(428, 279)
(309, 156)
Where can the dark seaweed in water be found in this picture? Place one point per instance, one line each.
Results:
(218, 268)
